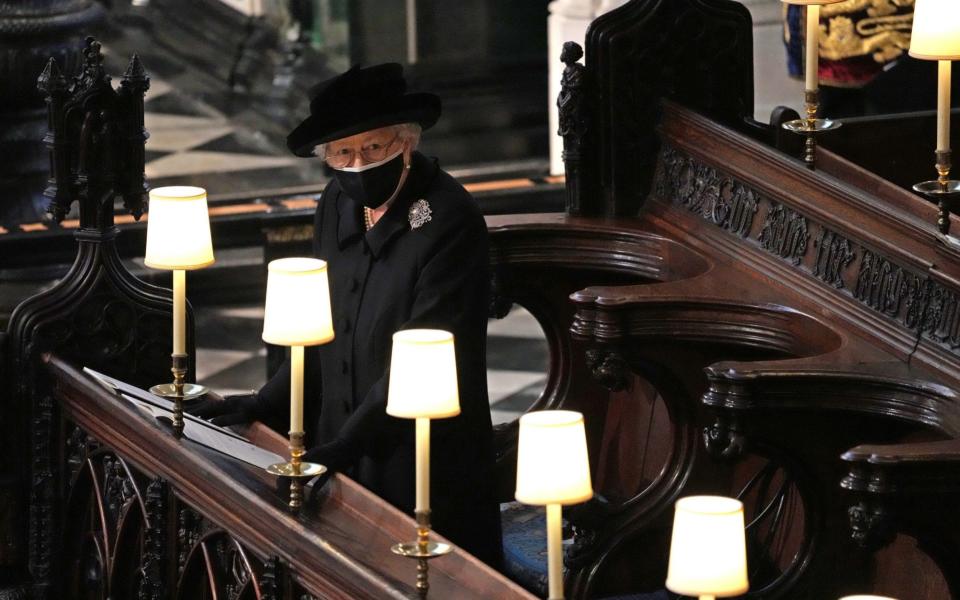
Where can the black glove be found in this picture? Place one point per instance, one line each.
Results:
(232, 410)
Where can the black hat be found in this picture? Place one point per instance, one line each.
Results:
(360, 100)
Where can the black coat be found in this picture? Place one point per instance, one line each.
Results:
(390, 278)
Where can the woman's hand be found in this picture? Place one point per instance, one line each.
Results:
(232, 410)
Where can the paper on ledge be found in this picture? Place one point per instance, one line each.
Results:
(194, 428)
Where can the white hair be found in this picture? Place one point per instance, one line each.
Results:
(407, 131)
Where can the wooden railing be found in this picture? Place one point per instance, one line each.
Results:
(150, 516)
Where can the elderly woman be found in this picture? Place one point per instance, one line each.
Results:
(407, 248)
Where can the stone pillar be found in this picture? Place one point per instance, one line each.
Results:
(32, 31)
(568, 22)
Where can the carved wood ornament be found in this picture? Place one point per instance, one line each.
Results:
(99, 314)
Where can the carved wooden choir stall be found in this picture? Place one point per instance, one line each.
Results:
(728, 321)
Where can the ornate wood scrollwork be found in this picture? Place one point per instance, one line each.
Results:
(785, 234)
(776, 517)
(102, 542)
(270, 582)
(99, 314)
(885, 287)
(119, 542)
(573, 117)
(217, 565)
(701, 189)
(871, 527)
(834, 253)
(723, 439)
(609, 369)
(79, 445)
(152, 584)
(189, 530)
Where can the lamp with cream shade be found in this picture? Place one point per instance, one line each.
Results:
(553, 469)
(178, 239)
(867, 597)
(297, 313)
(708, 551)
(423, 386)
(936, 36)
(811, 125)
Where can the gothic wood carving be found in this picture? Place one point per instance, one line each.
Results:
(573, 115)
(98, 315)
(634, 61)
(609, 369)
(847, 265)
(31, 31)
(152, 571)
(723, 439)
(834, 254)
(785, 234)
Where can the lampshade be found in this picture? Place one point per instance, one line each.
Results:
(297, 311)
(806, 2)
(867, 597)
(423, 375)
(936, 30)
(708, 554)
(552, 462)
(178, 229)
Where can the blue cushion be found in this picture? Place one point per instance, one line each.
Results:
(525, 545)
(525, 550)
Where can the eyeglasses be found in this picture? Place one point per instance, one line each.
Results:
(370, 153)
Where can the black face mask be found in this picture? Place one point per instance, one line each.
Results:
(373, 184)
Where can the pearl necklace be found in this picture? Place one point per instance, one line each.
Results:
(368, 217)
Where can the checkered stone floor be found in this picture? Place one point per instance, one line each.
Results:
(193, 143)
(231, 359)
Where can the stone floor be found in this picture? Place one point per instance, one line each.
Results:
(232, 359)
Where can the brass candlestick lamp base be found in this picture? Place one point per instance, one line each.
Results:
(811, 126)
(176, 391)
(296, 470)
(179, 389)
(944, 191)
(422, 550)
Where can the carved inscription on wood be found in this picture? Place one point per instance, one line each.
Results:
(910, 298)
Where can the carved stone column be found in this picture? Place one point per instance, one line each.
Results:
(32, 31)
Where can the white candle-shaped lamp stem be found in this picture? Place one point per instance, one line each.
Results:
(178, 239)
(179, 311)
(813, 47)
(296, 389)
(423, 386)
(423, 464)
(555, 551)
(553, 469)
(936, 36)
(297, 314)
(943, 105)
